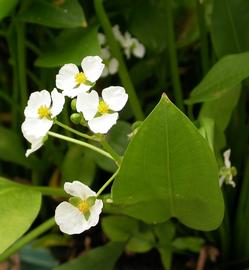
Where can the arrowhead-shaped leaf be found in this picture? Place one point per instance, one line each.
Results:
(169, 171)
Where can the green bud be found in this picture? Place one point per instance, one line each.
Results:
(73, 104)
(83, 122)
(75, 118)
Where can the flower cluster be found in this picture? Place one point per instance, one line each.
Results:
(101, 113)
(227, 172)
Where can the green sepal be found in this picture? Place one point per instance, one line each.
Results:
(75, 118)
(75, 201)
(73, 104)
(87, 215)
(83, 122)
(91, 200)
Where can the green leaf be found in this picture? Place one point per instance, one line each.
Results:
(141, 242)
(193, 244)
(57, 14)
(220, 109)
(119, 228)
(226, 74)
(169, 171)
(71, 46)
(101, 258)
(229, 25)
(6, 7)
(11, 148)
(18, 207)
(78, 164)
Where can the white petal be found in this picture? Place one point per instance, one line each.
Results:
(221, 180)
(103, 123)
(88, 103)
(117, 34)
(226, 155)
(113, 66)
(35, 145)
(65, 79)
(36, 127)
(78, 189)
(58, 101)
(127, 52)
(138, 50)
(101, 39)
(115, 97)
(95, 212)
(70, 219)
(36, 100)
(92, 67)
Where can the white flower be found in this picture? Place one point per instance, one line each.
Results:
(130, 44)
(133, 46)
(72, 81)
(39, 113)
(111, 63)
(81, 212)
(227, 172)
(101, 113)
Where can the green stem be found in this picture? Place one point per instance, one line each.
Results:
(203, 37)
(122, 71)
(32, 47)
(75, 131)
(28, 238)
(84, 144)
(107, 183)
(173, 55)
(110, 150)
(21, 57)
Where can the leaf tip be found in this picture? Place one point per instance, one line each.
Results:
(165, 97)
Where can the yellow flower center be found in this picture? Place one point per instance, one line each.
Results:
(80, 78)
(83, 206)
(103, 108)
(44, 112)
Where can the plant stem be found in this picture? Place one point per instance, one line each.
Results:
(107, 183)
(21, 62)
(84, 144)
(75, 131)
(122, 71)
(110, 150)
(173, 55)
(28, 238)
(203, 37)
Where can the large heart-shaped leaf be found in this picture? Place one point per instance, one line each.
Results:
(18, 207)
(224, 75)
(169, 171)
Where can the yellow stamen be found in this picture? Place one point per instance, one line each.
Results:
(83, 206)
(80, 78)
(44, 112)
(103, 108)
